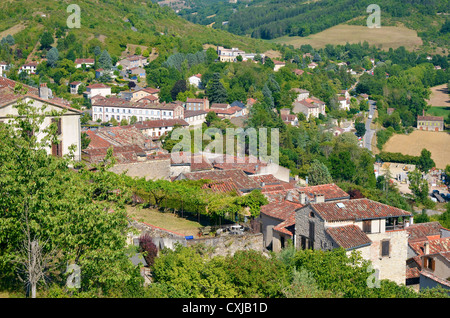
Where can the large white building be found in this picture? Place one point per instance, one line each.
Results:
(104, 109)
(230, 55)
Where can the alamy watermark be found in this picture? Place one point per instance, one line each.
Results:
(74, 20)
(374, 19)
(74, 279)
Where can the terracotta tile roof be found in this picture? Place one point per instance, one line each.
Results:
(348, 236)
(430, 118)
(219, 105)
(356, 209)
(10, 84)
(287, 226)
(242, 181)
(192, 113)
(224, 186)
(280, 210)
(158, 123)
(84, 61)
(195, 100)
(150, 90)
(330, 191)
(97, 85)
(248, 164)
(441, 245)
(412, 272)
(422, 230)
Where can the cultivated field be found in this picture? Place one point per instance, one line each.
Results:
(387, 36)
(439, 96)
(412, 144)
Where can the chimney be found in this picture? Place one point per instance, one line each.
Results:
(43, 91)
(426, 248)
(302, 197)
(289, 196)
(319, 198)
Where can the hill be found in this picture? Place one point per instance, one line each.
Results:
(271, 19)
(112, 24)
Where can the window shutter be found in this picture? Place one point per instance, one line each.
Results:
(385, 248)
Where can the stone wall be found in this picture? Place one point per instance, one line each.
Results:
(150, 169)
(229, 244)
(225, 244)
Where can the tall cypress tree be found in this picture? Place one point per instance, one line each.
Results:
(215, 90)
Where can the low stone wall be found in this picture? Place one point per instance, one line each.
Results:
(226, 244)
(229, 244)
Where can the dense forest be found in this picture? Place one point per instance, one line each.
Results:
(269, 19)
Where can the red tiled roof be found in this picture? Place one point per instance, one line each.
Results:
(10, 84)
(159, 123)
(84, 61)
(224, 186)
(440, 245)
(422, 230)
(430, 118)
(98, 85)
(356, 209)
(219, 106)
(348, 236)
(280, 210)
(330, 191)
(287, 226)
(242, 181)
(195, 100)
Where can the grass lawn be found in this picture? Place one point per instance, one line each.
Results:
(168, 220)
(439, 111)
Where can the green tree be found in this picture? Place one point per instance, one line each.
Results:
(418, 185)
(318, 174)
(425, 163)
(215, 90)
(52, 57)
(86, 228)
(105, 61)
(360, 129)
(46, 41)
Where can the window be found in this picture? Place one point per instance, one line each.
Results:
(367, 228)
(385, 248)
(429, 263)
(57, 121)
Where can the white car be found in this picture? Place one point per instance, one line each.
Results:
(370, 116)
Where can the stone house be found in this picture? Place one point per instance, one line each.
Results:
(430, 123)
(371, 228)
(428, 263)
(197, 104)
(278, 217)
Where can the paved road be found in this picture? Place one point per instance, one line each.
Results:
(368, 137)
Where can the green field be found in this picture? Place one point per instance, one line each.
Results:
(439, 111)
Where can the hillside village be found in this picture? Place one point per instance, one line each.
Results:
(333, 189)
